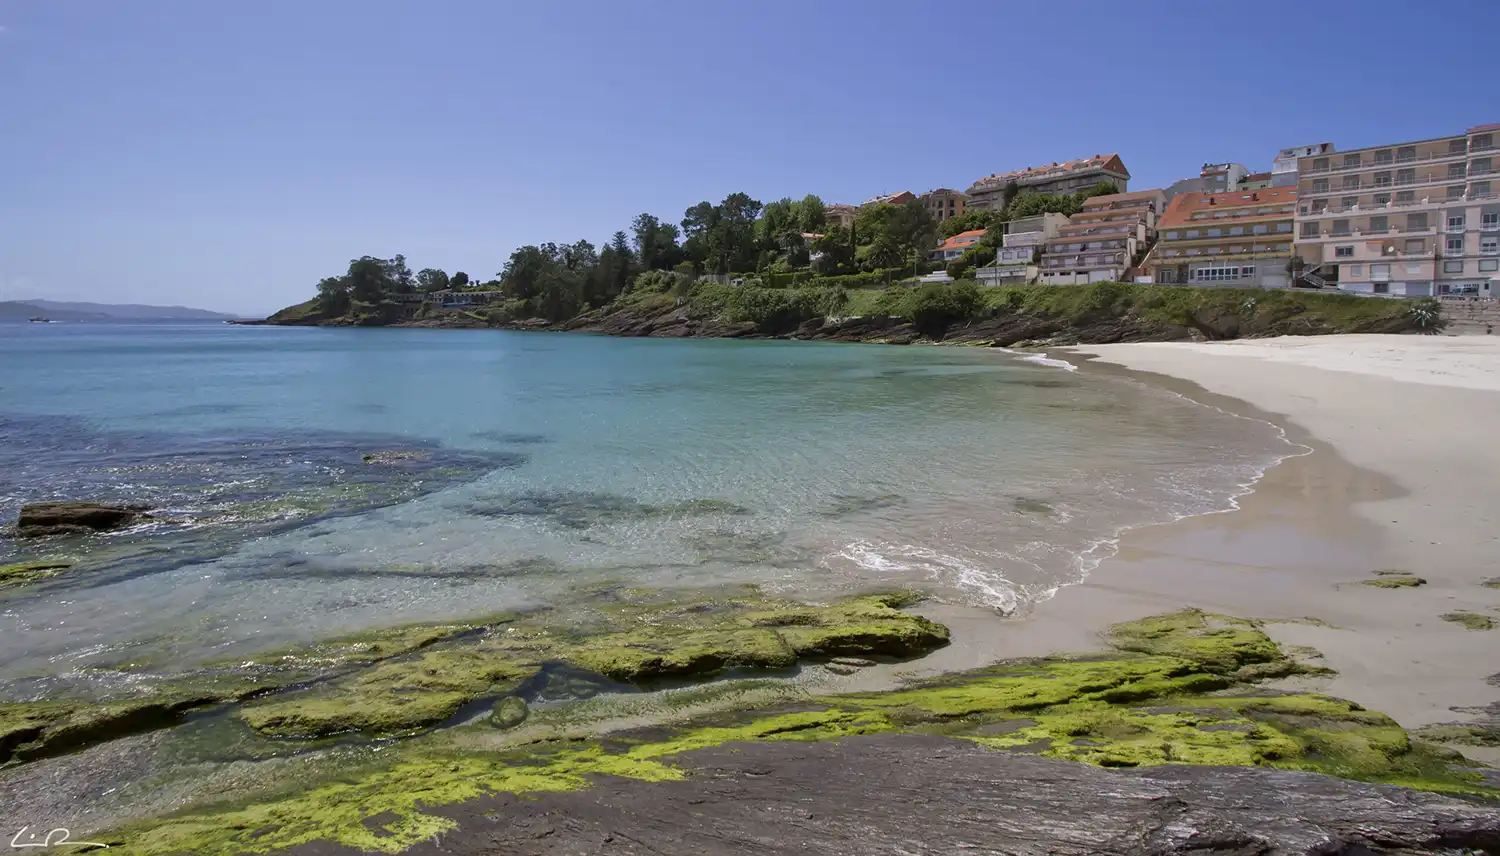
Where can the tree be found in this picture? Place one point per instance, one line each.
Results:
(812, 214)
(522, 276)
(333, 295)
(459, 280)
(402, 281)
(370, 279)
(655, 243)
(722, 237)
(834, 252)
(1028, 204)
(432, 279)
(972, 219)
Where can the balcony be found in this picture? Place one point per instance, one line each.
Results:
(1431, 157)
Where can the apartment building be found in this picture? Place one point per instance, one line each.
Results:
(901, 198)
(1284, 168)
(1258, 181)
(1212, 178)
(944, 203)
(840, 215)
(987, 194)
(1416, 218)
(1104, 240)
(1018, 259)
(955, 246)
(1240, 239)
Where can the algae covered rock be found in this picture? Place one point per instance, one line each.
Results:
(30, 572)
(32, 730)
(1220, 643)
(1394, 580)
(77, 518)
(509, 712)
(1469, 620)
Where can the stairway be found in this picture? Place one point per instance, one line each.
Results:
(1138, 267)
(1310, 275)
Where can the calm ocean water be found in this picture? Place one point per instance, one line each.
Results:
(545, 464)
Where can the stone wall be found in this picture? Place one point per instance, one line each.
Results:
(1472, 315)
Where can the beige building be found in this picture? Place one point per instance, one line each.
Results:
(901, 198)
(1104, 240)
(1240, 239)
(987, 194)
(840, 215)
(1415, 218)
(1018, 259)
(944, 203)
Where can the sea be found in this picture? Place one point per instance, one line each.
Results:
(511, 470)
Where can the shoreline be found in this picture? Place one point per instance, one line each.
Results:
(1315, 526)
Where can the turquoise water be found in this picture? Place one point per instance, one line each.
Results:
(542, 464)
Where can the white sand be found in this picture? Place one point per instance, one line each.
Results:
(1422, 413)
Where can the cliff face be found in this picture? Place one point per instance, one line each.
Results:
(1038, 315)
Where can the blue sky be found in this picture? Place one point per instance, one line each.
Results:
(228, 155)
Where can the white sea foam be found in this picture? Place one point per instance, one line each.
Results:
(1042, 359)
(988, 586)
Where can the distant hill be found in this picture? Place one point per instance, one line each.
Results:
(129, 311)
(12, 310)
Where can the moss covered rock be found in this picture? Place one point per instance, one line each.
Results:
(30, 572)
(1395, 581)
(1469, 620)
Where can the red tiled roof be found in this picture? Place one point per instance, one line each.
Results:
(1480, 129)
(1184, 205)
(1111, 161)
(962, 239)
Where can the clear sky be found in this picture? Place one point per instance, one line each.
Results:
(227, 155)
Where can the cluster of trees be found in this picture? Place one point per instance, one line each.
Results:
(370, 280)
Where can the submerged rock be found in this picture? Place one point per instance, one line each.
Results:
(30, 572)
(394, 457)
(509, 712)
(77, 518)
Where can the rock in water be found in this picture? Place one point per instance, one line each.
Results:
(75, 518)
(509, 712)
(393, 456)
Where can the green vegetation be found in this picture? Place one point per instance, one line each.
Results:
(1493, 582)
(1178, 694)
(30, 572)
(1395, 581)
(1470, 620)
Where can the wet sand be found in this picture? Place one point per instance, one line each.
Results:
(1400, 474)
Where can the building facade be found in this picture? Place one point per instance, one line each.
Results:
(1104, 240)
(1416, 218)
(955, 246)
(1284, 168)
(1241, 239)
(988, 193)
(1212, 178)
(901, 198)
(944, 203)
(840, 215)
(1018, 259)
(1257, 181)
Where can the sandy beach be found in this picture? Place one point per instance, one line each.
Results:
(1401, 473)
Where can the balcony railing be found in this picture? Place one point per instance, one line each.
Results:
(1431, 157)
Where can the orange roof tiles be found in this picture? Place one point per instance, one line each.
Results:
(1479, 129)
(1180, 212)
(962, 239)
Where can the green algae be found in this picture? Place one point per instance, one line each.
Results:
(1492, 582)
(1142, 706)
(30, 572)
(1467, 734)
(41, 729)
(1469, 620)
(1394, 580)
(634, 642)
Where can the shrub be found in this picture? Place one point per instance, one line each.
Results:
(771, 310)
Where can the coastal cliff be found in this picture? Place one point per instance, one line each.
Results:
(958, 313)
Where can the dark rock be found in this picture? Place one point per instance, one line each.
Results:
(393, 456)
(74, 518)
(898, 794)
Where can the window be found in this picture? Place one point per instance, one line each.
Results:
(1214, 233)
(1416, 221)
(1453, 267)
(1479, 190)
(1221, 273)
(1236, 230)
(1382, 288)
(1380, 224)
(1343, 252)
(1489, 265)
(1380, 270)
(1260, 229)
(1413, 268)
(1171, 236)
(1456, 191)
(1383, 156)
(1309, 230)
(1481, 142)
(1457, 147)
(1480, 166)
(1340, 227)
(1406, 153)
(1454, 244)
(1349, 201)
(1406, 196)
(1382, 200)
(1351, 161)
(1320, 185)
(1455, 222)
(1192, 233)
(1351, 182)
(1489, 246)
(1356, 270)
(1319, 206)
(1455, 170)
(1320, 165)
(1489, 220)
(1416, 245)
(1383, 179)
(1406, 176)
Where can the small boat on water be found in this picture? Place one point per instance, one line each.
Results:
(40, 320)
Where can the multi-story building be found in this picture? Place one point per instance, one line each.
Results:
(1240, 239)
(840, 215)
(1415, 218)
(944, 203)
(1017, 260)
(901, 198)
(1104, 240)
(988, 193)
(955, 246)
(1284, 168)
(1212, 178)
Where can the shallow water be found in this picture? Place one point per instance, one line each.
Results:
(552, 462)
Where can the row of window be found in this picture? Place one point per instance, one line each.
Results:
(1479, 143)
(1488, 221)
(1415, 268)
(1232, 231)
(1243, 212)
(1487, 245)
(1222, 272)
